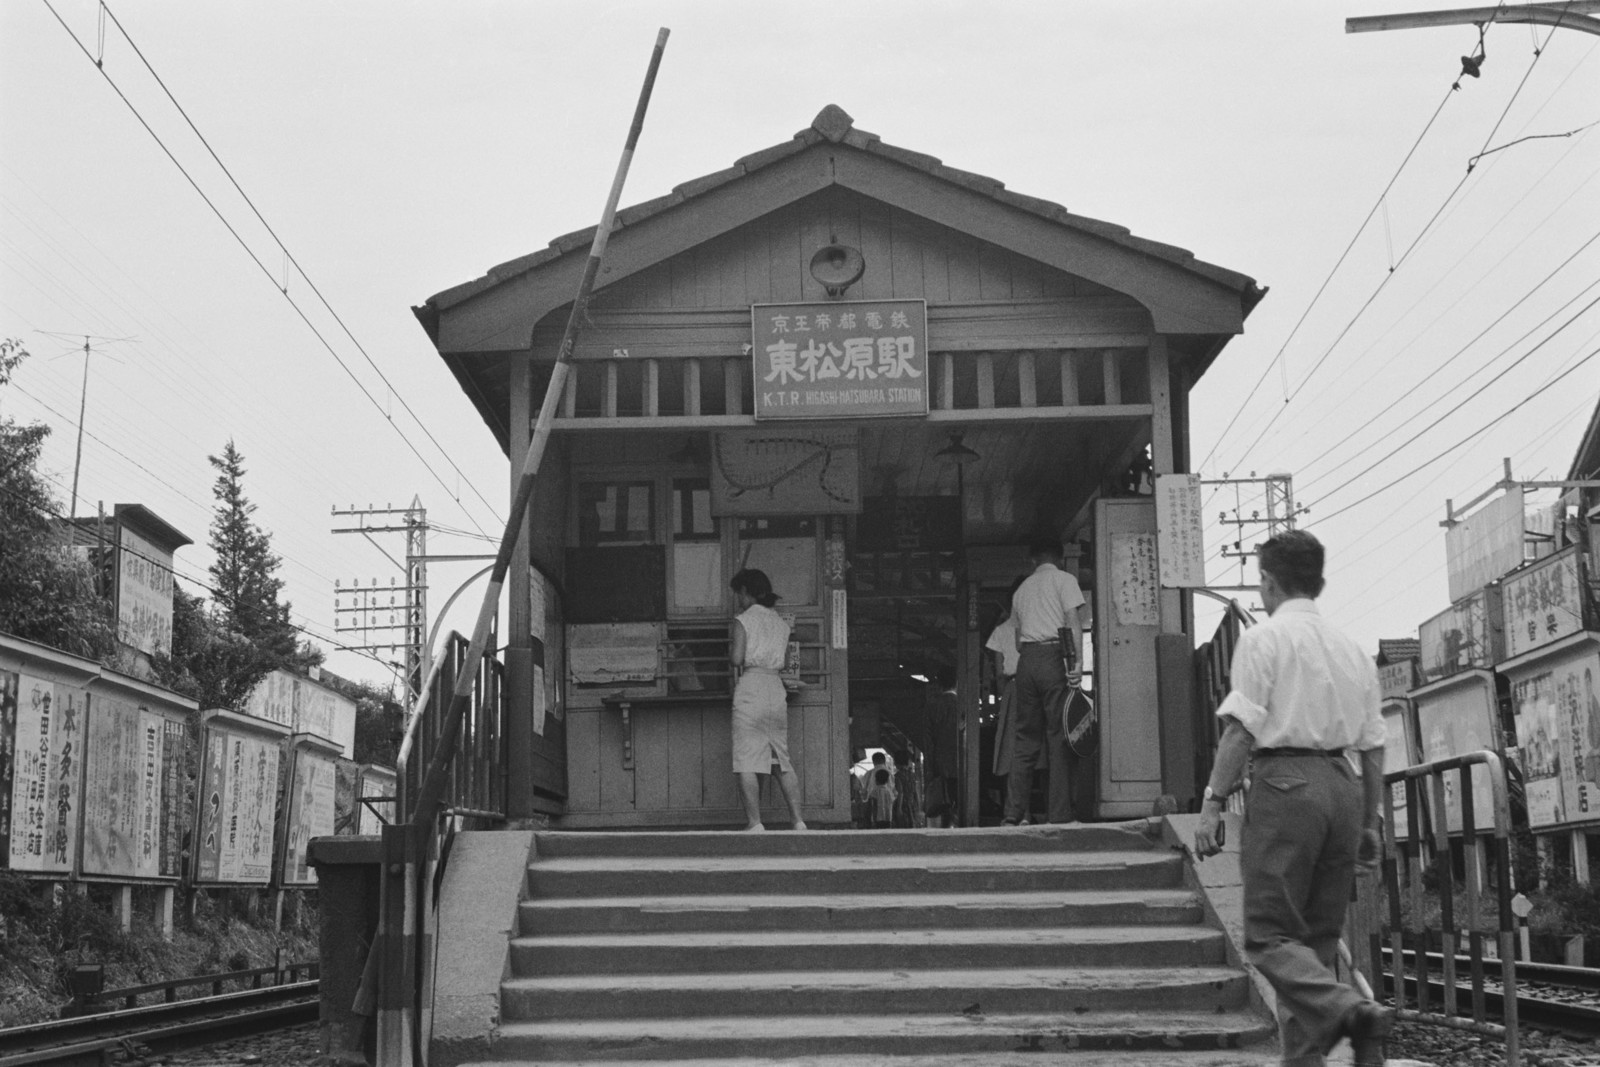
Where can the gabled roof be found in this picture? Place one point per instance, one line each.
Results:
(833, 126)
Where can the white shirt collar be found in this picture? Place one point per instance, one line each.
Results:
(1298, 604)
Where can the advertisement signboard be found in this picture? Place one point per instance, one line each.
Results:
(1485, 545)
(1544, 603)
(144, 594)
(1556, 703)
(46, 775)
(1469, 634)
(1396, 755)
(273, 699)
(310, 812)
(128, 791)
(375, 782)
(239, 787)
(8, 757)
(1395, 680)
(840, 360)
(1456, 717)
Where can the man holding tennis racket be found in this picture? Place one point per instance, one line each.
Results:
(1045, 604)
(1302, 695)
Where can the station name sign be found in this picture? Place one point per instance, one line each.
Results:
(840, 360)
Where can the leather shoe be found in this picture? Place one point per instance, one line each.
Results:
(1367, 1025)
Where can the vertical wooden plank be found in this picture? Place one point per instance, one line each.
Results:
(609, 404)
(788, 272)
(947, 381)
(716, 739)
(963, 264)
(569, 398)
(757, 268)
(935, 261)
(652, 387)
(1162, 455)
(905, 257)
(994, 273)
(651, 763)
(821, 765)
(878, 250)
(1112, 375)
(686, 772)
(616, 781)
(986, 380)
(519, 698)
(1027, 382)
(1069, 378)
(733, 385)
(583, 760)
(691, 387)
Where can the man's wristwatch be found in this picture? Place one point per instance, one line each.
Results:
(1212, 794)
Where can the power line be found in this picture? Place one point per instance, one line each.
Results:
(1480, 430)
(294, 262)
(256, 259)
(1460, 383)
(1325, 281)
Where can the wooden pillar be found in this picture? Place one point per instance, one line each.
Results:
(1069, 378)
(164, 907)
(986, 380)
(967, 670)
(1027, 382)
(1580, 856)
(125, 907)
(519, 683)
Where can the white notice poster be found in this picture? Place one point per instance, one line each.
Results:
(1182, 549)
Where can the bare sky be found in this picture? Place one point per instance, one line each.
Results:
(397, 149)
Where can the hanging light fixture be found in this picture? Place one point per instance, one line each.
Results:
(956, 452)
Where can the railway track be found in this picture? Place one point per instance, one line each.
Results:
(1549, 996)
(96, 1039)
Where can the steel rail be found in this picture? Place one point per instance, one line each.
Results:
(1530, 1010)
(184, 1023)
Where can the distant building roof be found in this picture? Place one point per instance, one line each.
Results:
(1398, 649)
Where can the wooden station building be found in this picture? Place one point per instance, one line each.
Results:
(875, 377)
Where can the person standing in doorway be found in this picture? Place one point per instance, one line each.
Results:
(1045, 604)
(1302, 694)
(760, 702)
(1003, 643)
(944, 738)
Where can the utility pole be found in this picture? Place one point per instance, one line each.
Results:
(373, 608)
(1280, 514)
(1569, 15)
(83, 405)
(366, 609)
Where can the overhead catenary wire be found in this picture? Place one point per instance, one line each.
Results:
(1317, 296)
(1419, 468)
(262, 267)
(290, 260)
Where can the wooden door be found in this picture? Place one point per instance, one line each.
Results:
(1126, 622)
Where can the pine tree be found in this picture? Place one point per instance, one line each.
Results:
(244, 574)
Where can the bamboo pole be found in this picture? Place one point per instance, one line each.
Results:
(432, 787)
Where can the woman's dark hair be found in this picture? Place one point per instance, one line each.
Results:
(755, 584)
(1295, 559)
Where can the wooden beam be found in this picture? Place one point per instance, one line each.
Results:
(732, 387)
(1069, 378)
(691, 388)
(946, 396)
(985, 380)
(1099, 413)
(1111, 375)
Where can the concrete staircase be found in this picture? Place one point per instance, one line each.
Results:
(1036, 944)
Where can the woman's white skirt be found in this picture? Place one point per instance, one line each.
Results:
(760, 724)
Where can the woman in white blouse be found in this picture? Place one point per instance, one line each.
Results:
(760, 703)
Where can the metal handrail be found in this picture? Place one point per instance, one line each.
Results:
(414, 715)
(1443, 845)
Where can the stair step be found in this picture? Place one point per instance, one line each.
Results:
(861, 911)
(1075, 837)
(1059, 990)
(1257, 1056)
(891, 873)
(772, 1036)
(1078, 946)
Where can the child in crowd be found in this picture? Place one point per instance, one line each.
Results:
(880, 799)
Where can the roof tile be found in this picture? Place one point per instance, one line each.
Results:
(920, 160)
(706, 183)
(833, 122)
(782, 150)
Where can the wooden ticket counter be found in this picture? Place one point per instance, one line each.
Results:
(872, 376)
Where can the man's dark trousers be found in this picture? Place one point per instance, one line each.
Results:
(1038, 735)
(1302, 830)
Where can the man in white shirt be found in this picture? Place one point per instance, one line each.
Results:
(1302, 693)
(1046, 603)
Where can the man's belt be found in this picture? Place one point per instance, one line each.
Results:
(1325, 752)
(1033, 644)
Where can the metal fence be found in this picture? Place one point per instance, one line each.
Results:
(1433, 793)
